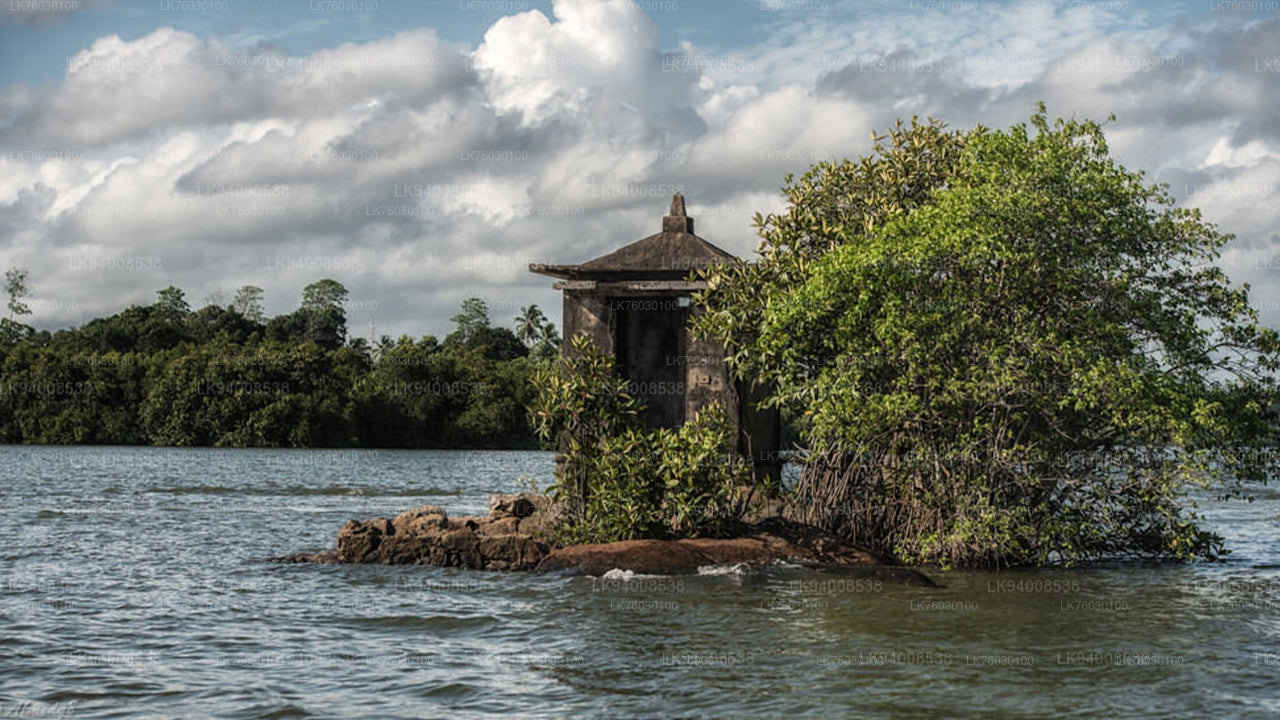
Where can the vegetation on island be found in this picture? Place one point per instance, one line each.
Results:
(1005, 349)
(164, 374)
(621, 480)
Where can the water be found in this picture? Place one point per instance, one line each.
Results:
(132, 587)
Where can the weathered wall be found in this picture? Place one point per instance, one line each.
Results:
(699, 363)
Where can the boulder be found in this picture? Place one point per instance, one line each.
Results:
(518, 505)
(773, 540)
(428, 536)
(650, 557)
(511, 552)
(503, 526)
(326, 557)
(359, 541)
(420, 521)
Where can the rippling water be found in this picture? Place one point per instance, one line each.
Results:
(133, 587)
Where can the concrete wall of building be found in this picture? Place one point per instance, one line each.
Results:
(707, 377)
(587, 312)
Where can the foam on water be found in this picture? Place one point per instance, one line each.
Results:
(626, 575)
(726, 569)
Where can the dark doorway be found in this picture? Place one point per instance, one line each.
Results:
(650, 345)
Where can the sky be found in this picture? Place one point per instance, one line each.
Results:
(425, 151)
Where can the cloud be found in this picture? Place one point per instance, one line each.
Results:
(118, 90)
(419, 172)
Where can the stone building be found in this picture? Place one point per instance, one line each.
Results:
(635, 304)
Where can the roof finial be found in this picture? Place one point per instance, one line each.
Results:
(677, 205)
(677, 221)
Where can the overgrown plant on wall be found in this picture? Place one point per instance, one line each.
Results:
(620, 480)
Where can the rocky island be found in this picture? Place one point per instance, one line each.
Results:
(515, 536)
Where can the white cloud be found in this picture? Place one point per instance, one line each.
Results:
(418, 172)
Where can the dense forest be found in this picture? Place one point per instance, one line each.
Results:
(163, 374)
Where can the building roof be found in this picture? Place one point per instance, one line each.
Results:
(671, 254)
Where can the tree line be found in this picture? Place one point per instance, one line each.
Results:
(164, 374)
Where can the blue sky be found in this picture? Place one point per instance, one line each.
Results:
(425, 151)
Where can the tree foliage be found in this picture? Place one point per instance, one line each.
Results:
(248, 303)
(539, 335)
(1008, 349)
(620, 480)
(15, 286)
(161, 374)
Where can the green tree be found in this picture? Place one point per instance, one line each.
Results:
(473, 319)
(1007, 348)
(171, 304)
(323, 296)
(15, 284)
(248, 302)
(548, 346)
(12, 331)
(322, 318)
(538, 334)
(529, 324)
(161, 374)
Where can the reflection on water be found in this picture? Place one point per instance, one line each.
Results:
(131, 587)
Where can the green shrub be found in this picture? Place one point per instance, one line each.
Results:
(1007, 349)
(621, 481)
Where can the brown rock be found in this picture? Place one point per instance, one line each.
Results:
(654, 557)
(506, 526)
(327, 557)
(420, 521)
(511, 552)
(775, 540)
(519, 505)
(535, 526)
(428, 536)
(358, 541)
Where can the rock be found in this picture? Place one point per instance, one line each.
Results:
(651, 557)
(420, 521)
(506, 526)
(519, 505)
(511, 552)
(773, 540)
(358, 541)
(428, 536)
(327, 557)
(469, 522)
(515, 537)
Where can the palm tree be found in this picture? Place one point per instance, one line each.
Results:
(548, 345)
(529, 324)
(550, 335)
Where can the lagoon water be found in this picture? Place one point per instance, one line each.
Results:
(132, 586)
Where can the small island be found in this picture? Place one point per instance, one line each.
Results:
(515, 536)
(629, 311)
(971, 339)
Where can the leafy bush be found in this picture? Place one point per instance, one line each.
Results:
(1007, 348)
(621, 481)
